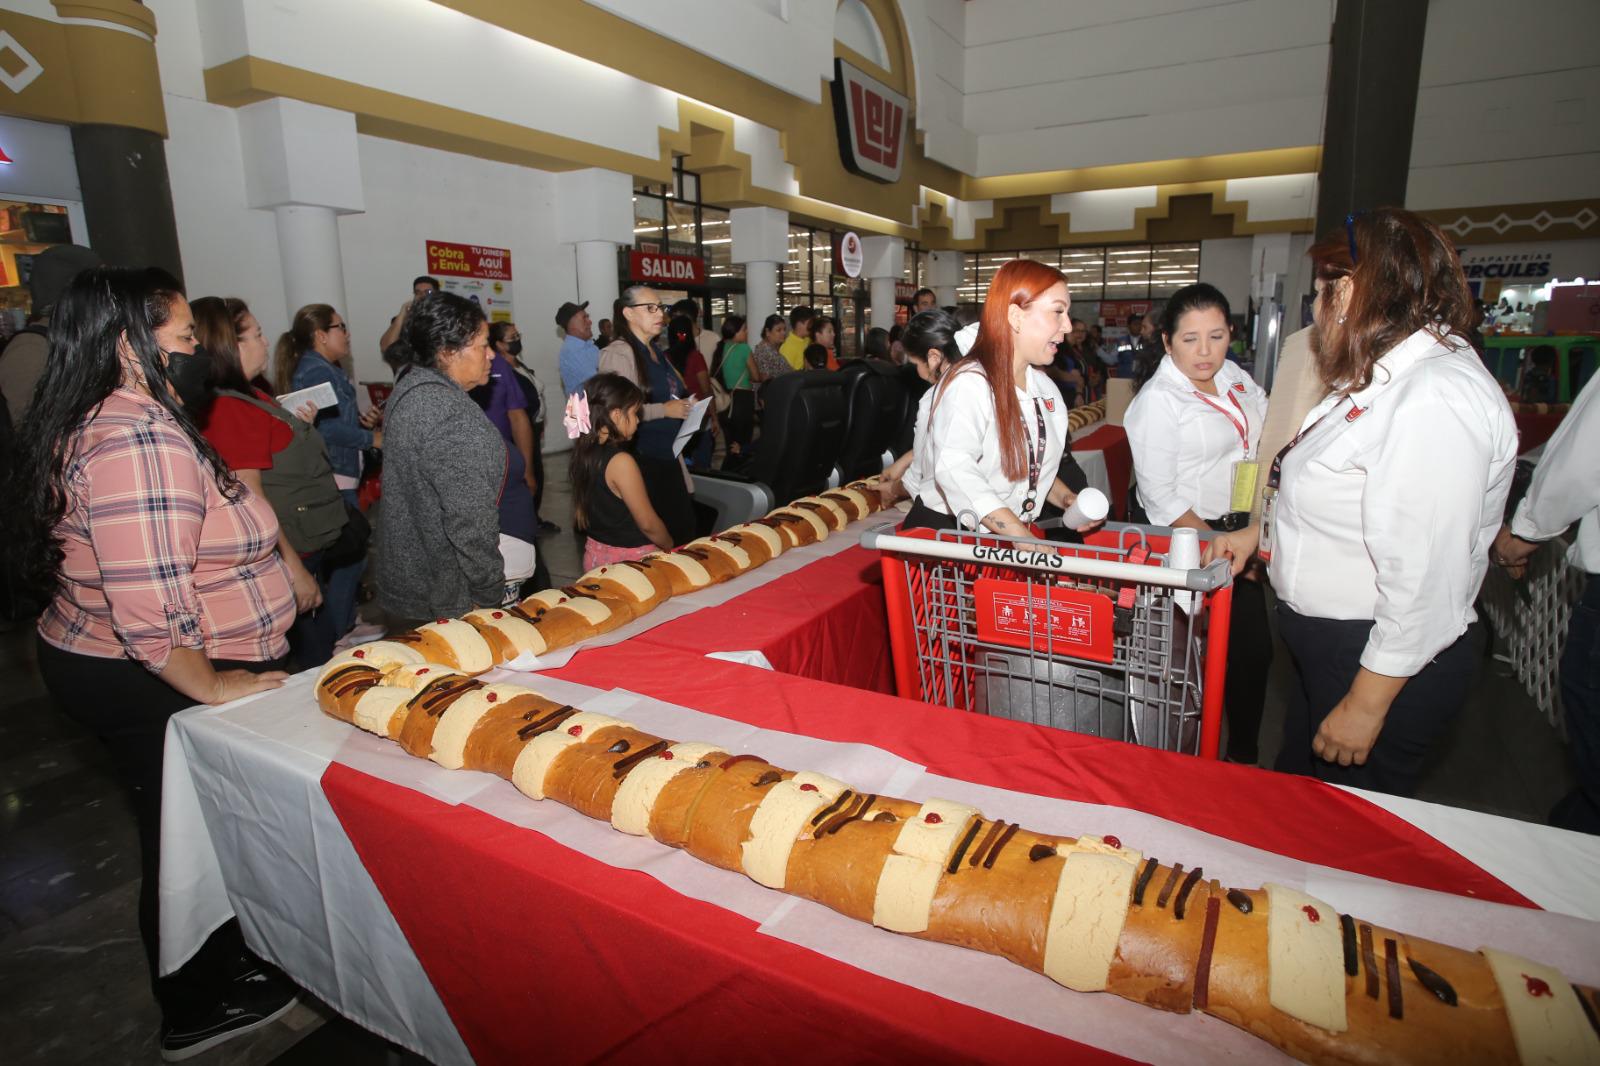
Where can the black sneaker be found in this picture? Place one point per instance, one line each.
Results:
(547, 529)
(255, 1000)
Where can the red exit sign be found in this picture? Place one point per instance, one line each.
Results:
(658, 268)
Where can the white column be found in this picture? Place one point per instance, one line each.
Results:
(301, 163)
(594, 214)
(944, 276)
(883, 261)
(313, 264)
(760, 292)
(760, 242)
(597, 277)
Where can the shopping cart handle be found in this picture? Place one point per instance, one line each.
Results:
(1047, 557)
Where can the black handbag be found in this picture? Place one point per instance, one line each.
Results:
(351, 547)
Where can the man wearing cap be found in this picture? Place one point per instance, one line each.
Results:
(22, 364)
(580, 359)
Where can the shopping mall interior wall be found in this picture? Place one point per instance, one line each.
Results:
(1226, 263)
(415, 195)
(1101, 82)
(1507, 104)
(227, 248)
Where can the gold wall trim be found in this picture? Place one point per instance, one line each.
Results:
(127, 13)
(89, 74)
(1551, 220)
(1261, 164)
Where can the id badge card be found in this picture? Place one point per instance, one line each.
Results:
(1246, 475)
(1269, 503)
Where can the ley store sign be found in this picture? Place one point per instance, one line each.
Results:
(871, 120)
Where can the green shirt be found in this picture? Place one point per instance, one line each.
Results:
(736, 366)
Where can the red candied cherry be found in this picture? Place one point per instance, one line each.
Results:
(575, 731)
(1537, 987)
(359, 654)
(497, 614)
(1311, 913)
(1113, 841)
(422, 671)
(808, 788)
(933, 818)
(667, 755)
(491, 696)
(440, 621)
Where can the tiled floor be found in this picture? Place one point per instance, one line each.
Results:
(72, 977)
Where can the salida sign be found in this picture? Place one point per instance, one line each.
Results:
(657, 267)
(469, 261)
(871, 120)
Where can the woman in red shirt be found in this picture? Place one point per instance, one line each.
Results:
(282, 458)
(160, 586)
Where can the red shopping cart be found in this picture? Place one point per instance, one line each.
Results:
(1099, 638)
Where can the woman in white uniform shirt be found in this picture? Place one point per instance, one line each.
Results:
(1190, 427)
(1378, 531)
(994, 451)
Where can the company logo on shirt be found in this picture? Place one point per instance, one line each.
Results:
(1050, 405)
(871, 120)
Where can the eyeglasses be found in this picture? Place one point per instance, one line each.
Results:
(338, 325)
(652, 308)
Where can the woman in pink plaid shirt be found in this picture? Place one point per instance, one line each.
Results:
(160, 584)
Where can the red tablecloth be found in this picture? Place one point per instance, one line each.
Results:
(825, 622)
(539, 952)
(1113, 441)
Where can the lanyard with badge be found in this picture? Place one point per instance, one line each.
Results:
(1035, 451)
(1246, 469)
(1269, 496)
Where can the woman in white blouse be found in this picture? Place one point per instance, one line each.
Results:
(1193, 429)
(931, 347)
(1380, 513)
(998, 425)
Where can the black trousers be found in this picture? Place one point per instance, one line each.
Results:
(1579, 810)
(538, 466)
(921, 516)
(127, 707)
(1327, 654)
(1249, 662)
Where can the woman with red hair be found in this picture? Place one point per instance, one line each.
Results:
(999, 426)
(1379, 514)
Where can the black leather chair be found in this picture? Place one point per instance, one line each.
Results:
(876, 404)
(802, 428)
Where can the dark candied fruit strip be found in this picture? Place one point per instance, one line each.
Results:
(1144, 881)
(1208, 943)
(1369, 960)
(999, 845)
(856, 808)
(1391, 969)
(1040, 852)
(619, 747)
(1183, 893)
(547, 723)
(1588, 1010)
(995, 829)
(621, 767)
(771, 777)
(736, 760)
(828, 812)
(1241, 901)
(1171, 883)
(1434, 983)
(966, 842)
(1352, 961)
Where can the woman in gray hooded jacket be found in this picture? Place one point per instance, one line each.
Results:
(444, 466)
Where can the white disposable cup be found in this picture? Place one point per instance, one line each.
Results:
(1090, 506)
(1184, 552)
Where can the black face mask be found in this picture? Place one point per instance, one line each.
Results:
(189, 373)
(515, 347)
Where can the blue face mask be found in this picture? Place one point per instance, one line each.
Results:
(189, 374)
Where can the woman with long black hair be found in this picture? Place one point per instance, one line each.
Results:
(730, 363)
(160, 584)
